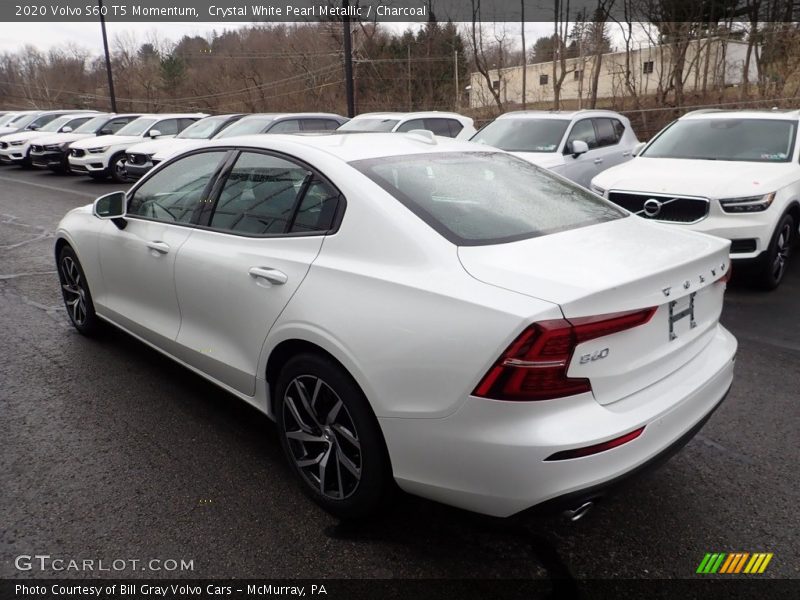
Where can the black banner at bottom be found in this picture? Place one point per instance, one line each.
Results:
(406, 589)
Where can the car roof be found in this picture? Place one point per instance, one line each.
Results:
(355, 146)
(558, 114)
(305, 115)
(410, 115)
(173, 115)
(717, 113)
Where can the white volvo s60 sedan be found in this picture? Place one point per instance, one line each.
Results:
(415, 310)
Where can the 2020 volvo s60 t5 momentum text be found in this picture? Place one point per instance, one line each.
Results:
(414, 310)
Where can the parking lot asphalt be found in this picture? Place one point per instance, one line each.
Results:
(109, 450)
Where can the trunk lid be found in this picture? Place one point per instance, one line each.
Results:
(618, 266)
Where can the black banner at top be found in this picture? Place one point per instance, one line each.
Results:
(277, 11)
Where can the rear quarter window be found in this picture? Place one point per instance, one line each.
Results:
(481, 198)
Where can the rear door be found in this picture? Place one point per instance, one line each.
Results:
(583, 167)
(609, 149)
(238, 270)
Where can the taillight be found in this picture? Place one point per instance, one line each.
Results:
(726, 276)
(534, 367)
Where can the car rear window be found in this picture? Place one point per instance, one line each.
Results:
(481, 198)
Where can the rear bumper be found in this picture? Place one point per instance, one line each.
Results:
(489, 456)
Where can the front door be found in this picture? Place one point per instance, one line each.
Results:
(138, 262)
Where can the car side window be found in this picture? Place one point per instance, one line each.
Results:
(184, 123)
(317, 209)
(118, 124)
(619, 128)
(259, 195)
(166, 127)
(172, 194)
(75, 123)
(287, 126)
(439, 126)
(606, 135)
(583, 131)
(455, 127)
(318, 124)
(412, 124)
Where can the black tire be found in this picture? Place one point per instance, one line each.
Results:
(75, 291)
(116, 168)
(773, 265)
(358, 480)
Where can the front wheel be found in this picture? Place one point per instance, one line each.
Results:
(773, 267)
(75, 290)
(331, 437)
(117, 169)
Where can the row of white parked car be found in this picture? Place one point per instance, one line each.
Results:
(733, 174)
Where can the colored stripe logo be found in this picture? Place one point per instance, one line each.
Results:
(734, 562)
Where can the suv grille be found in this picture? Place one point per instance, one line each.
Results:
(665, 208)
(36, 148)
(3, 145)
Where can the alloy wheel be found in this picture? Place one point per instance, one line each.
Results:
(73, 290)
(782, 247)
(119, 169)
(322, 437)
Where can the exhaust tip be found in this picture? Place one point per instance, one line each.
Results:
(576, 514)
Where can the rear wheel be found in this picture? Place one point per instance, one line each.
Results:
(331, 437)
(773, 266)
(75, 291)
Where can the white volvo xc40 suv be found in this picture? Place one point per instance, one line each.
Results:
(734, 174)
(415, 310)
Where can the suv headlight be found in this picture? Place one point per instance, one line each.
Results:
(747, 204)
(17, 143)
(98, 150)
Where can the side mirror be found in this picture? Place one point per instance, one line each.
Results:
(579, 147)
(66, 129)
(33, 127)
(111, 207)
(154, 133)
(105, 131)
(638, 148)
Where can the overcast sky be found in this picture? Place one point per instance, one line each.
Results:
(87, 35)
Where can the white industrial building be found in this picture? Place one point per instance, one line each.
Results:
(709, 64)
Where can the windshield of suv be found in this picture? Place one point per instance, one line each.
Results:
(246, 126)
(523, 135)
(92, 125)
(481, 198)
(137, 127)
(202, 129)
(23, 121)
(6, 119)
(379, 125)
(749, 140)
(57, 124)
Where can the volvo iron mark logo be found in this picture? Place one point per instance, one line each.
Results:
(652, 207)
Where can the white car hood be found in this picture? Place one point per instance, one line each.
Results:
(63, 138)
(704, 178)
(546, 160)
(173, 148)
(160, 146)
(6, 130)
(23, 136)
(106, 140)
